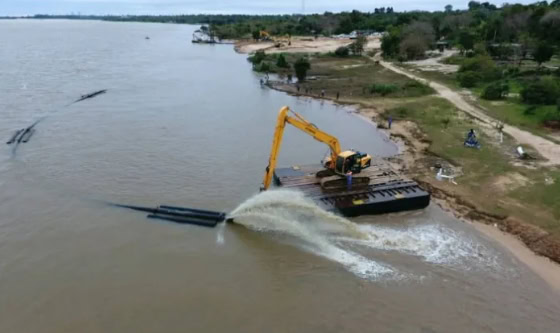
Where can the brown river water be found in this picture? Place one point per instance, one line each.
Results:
(190, 125)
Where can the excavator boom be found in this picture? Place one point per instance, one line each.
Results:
(302, 124)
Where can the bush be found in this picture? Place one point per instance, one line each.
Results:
(530, 110)
(468, 79)
(281, 62)
(257, 58)
(342, 52)
(262, 67)
(544, 91)
(383, 89)
(416, 88)
(483, 65)
(495, 91)
(552, 119)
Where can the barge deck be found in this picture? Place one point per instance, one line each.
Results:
(386, 192)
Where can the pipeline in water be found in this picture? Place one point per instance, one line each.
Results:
(14, 137)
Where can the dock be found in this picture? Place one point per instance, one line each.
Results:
(387, 191)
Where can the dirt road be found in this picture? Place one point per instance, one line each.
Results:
(546, 148)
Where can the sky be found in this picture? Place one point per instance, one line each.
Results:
(159, 7)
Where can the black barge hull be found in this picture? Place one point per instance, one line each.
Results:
(387, 192)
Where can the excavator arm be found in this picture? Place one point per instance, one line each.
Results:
(307, 127)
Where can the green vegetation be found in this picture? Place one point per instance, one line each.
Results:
(301, 66)
(468, 79)
(357, 47)
(496, 90)
(342, 52)
(544, 90)
(281, 61)
(355, 77)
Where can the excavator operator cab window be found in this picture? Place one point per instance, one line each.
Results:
(350, 163)
(355, 163)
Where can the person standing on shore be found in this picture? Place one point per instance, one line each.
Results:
(337, 95)
(323, 93)
(389, 121)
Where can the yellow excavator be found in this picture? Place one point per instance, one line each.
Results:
(338, 166)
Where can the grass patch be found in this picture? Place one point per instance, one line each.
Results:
(359, 77)
(512, 111)
(446, 128)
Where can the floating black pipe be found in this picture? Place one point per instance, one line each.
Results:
(199, 211)
(217, 218)
(177, 219)
(24, 133)
(180, 214)
(25, 137)
(93, 94)
(14, 136)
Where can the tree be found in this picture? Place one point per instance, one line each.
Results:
(390, 42)
(544, 91)
(466, 40)
(543, 53)
(448, 9)
(413, 47)
(473, 5)
(301, 66)
(256, 34)
(496, 90)
(281, 62)
(419, 37)
(358, 46)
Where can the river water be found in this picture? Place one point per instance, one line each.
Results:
(190, 125)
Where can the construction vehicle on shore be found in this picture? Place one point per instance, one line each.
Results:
(338, 166)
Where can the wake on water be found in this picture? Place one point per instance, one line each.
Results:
(327, 235)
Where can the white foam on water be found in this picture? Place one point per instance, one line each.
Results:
(434, 243)
(333, 237)
(290, 212)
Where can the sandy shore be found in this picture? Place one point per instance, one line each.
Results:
(544, 267)
(302, 45)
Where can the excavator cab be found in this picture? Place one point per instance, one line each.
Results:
(352, 161)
